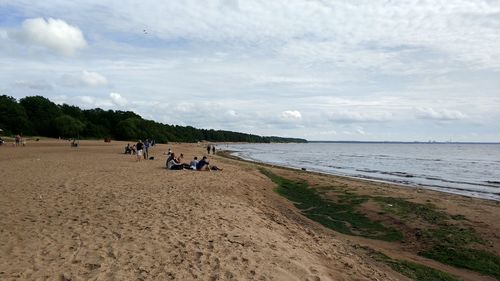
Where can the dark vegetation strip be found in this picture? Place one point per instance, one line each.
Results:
(443, 239)
(340, 216)
(473, 259)
(38, 116)
(445, 242)
(411, 270)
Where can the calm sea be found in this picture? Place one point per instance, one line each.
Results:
(467, 169)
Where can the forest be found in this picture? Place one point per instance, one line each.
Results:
(38, 116)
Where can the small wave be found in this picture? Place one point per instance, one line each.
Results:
(427, 159)
(399, 174)
(463, 182)
(336, 167)
(494, 183)
(462, 189)
(369, 171)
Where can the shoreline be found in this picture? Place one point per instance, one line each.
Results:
(436, 188)
(227, 154)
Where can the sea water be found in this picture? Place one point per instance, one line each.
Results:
(467, 169)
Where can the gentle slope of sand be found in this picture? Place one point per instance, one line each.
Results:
(92, 213)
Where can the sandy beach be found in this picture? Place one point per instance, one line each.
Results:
(93, 213)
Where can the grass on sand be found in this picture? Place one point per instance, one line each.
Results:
(443, 237)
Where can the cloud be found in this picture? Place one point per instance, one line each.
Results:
(93, 79)
(84, 79)
(354, 116)
(439, 114)
(360, 130)
(291, 115)
(33, 85)
(117, 99)
(54, 34)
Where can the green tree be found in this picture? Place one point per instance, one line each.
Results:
(68, 126)
(13, 118)
(73, 111)
(129, 129)
(41, 112)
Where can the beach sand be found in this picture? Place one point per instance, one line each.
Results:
(93, 213)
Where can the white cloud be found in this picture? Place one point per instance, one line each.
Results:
(354, 116)
(439, 114)
(33, 85)
(360, 130)
(83, 79)
(117, 99)
(87, 100)
(93, 79)
(291, 115)
(3, 34)
(185, 107)
(52, 33)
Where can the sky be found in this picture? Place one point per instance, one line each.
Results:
(380, 70)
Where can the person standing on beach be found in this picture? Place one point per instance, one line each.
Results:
(146, 149)
(213, 149)
(139, 146)
(18, 140)
(208, 148)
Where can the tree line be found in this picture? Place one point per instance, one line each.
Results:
(38, 116)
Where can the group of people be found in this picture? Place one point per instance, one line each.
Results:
(212, 148)
(141, 149)
(18, 140)
(175, 163)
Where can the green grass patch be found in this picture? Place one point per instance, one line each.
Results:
(448, 246)
(473, 259)
(458, 217)
(406, 209)
(452, 235)
(443, 241)
(412, 270)
(340, 216)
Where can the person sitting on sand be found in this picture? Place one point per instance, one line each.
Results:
(193, 163)
(171, 156)
(179, 159)
(128, 150)
(203, 165)
(174, 164)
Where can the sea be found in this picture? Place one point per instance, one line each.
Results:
(460, 168)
